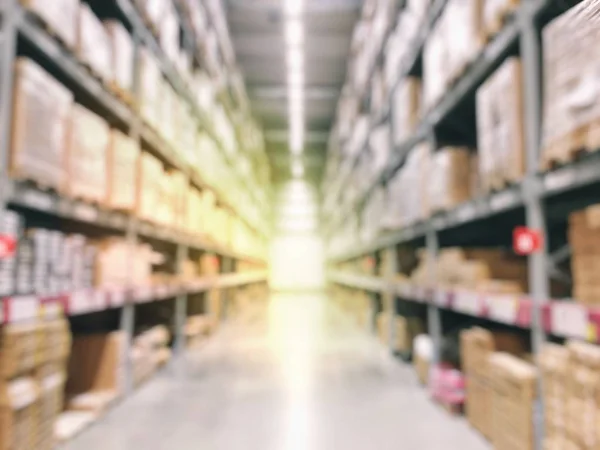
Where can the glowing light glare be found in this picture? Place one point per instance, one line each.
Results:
(297, 169)
(293, 8)
(294, 33)
(295, 61)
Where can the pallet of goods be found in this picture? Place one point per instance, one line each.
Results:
(571, 125)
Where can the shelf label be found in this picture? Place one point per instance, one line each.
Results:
(560, 179)
(143, 294)
(38, 200)
(79, 302)
(569, 319)
(501, 201)
(504, 308)
(21, 308)
(441, 298)
(468, 303)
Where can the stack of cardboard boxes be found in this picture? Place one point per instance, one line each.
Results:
(500, 138)
(555, 372)
(405, 329)
(584, 238)
(477, 345)
(32, 377)
(481, 269)
(514, 393)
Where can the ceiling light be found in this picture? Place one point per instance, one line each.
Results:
(294, 33)
(293, 8)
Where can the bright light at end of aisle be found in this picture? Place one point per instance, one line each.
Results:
(294, 38)
(297, 169)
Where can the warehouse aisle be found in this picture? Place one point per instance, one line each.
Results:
(304, 379)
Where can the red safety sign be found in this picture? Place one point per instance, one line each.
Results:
(526, 241)
(7, 246)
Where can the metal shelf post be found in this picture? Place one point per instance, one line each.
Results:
(531, 55)
(180, 305)
(10, 13)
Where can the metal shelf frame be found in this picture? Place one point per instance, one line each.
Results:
(523, 31)
(17, 24)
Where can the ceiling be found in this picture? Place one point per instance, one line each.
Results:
(257, 32)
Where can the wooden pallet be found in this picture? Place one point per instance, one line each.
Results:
(41, 22)
(123, 95)
(503, 15)
(573, 146)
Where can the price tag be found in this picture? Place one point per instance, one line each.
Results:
(21, 308)
(569, 320)
(504, 308)
(116, 297)
(468, 302)
(100, 300)
(441, 298)
(143, 294)
(79, 302)
(38, 200)
(85, 212)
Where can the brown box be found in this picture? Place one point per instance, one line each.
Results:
(514, 389)
(123, 165)
(450, 183)
(405, 330)
(18, 414)
(406, 108)
(149, 189)
(61, 16)
(19, 345)
(54, 341)
(150, 88)
(41, 111)
(87, 156)
(96, 363)
(500, 138)
(50, 404)
(584, 238)
(94, 45)
(121, 46)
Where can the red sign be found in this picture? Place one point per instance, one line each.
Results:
(7, 246)
(526, 241)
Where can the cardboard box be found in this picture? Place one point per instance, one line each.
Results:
(121, 45)
(500, 136)
(96, 363)
(149, 189)
(18, 349)
(41, 111)
(18, 414)
(94, 44)
(449, 174)
(49, 406)
(406, 108)
(87, 156)
(123, 165)
(61, 16)
(150, 88)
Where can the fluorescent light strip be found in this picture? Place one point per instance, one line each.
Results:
(294, 38)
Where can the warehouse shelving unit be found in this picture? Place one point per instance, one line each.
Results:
(20, 30)
(537, 201)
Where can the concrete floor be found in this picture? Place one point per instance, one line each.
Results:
(302, 379)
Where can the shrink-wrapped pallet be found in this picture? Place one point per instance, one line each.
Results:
(451, 48)
(61, 17)
(94, 45)
(494, 13)
(500, 137)
(123, 160)
(41, 111)
(150, 176)
(406, 108)
(150, 88)
(87, 156)
(571, 117)
(449, 183)
(122, 55)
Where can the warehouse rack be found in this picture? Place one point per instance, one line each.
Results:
(22, 32)
(539, 200)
